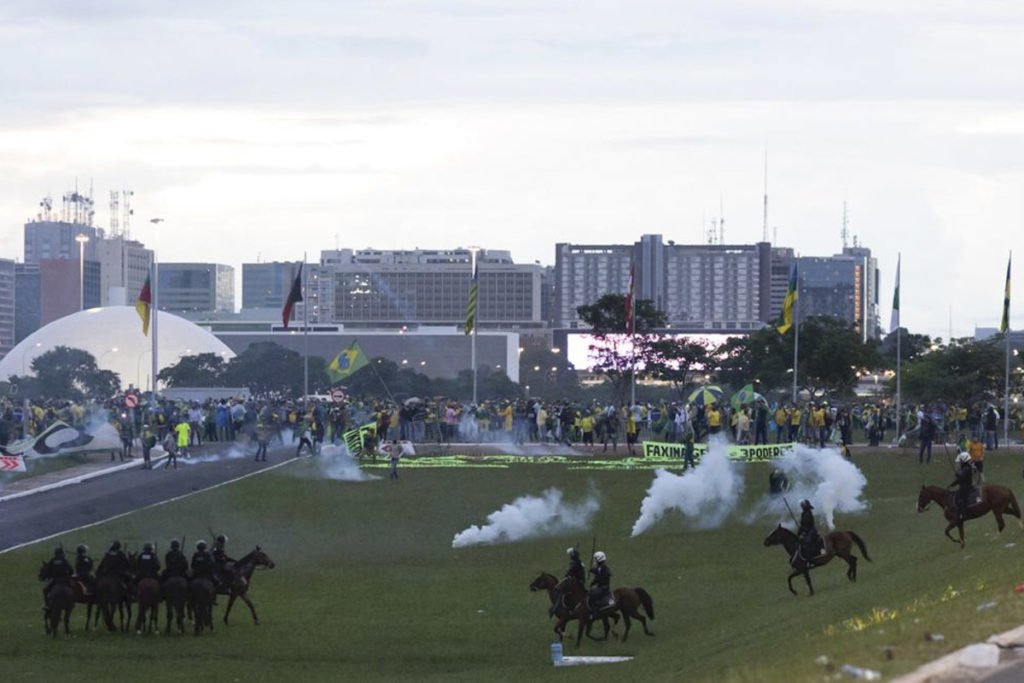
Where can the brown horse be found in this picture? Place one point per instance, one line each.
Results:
(84, 597)
(201, 594)
(999, 500)
(837, 544)
(175, 592)
(59, 602)
(627, 602)
(111, 594)
(242, 580)
(564, 610)
(148, 595)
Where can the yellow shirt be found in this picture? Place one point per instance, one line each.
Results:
(714, 418)
(587, 424)
(976, 449)
(794, 418)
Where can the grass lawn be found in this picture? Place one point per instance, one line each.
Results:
(368, 587)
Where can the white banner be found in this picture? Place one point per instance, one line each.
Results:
(759, 453)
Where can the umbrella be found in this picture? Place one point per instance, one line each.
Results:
(745, 396)
(706, 395)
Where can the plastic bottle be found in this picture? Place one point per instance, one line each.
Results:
(556, 653)
(861, 673)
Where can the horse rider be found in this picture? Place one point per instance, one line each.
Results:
(202, 562)
(224, 564)
(83, 569)
(114, 562)
(807, 534)
(54, 571)
(600, 585)
(175, 562)
(965, 484)
(147, 564)
(575, 571)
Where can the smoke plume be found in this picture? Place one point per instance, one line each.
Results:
(530, 517)
(705, 494)
(335, 462)
(827, 479)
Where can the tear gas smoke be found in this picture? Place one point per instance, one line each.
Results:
(827, 479)
(530, 517)
(705, 494)
(233, 453)
(335, 462)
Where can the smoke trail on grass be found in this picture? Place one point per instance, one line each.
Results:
(705, 495)
(827, 479)
(335, 462)
(530, 517)
(234, 452)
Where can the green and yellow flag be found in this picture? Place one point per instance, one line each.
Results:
(792, 294)
(347, 363)
(474, 286)
(1004, 326)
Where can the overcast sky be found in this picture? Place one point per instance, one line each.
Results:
(267, 129)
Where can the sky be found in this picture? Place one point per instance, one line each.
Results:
(264, 130)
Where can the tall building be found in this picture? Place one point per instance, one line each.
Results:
(56, 240)
(843, 286)
(195, 287)
(6, 306)
(265, 285)
(26, 300)
(124, 266)
(584, 273)
(64, 290)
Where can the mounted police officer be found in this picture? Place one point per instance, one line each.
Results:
(224, 564)
(114, 562)
(83, 569)
(147, 565)
(600, 585)
(202, 562)
(575, 571)
(807, 534)
(54, 571)
(175, 562)
(965, 484)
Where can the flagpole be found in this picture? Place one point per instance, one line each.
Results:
(476, 319)
(899, 350)
(1006, 379)
(155, 293)
(796, 337)
(305, 337)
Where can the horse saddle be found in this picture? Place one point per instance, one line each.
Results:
(600, 604)
(87, 592)
(974, 497)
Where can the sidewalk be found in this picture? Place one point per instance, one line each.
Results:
(999, 659)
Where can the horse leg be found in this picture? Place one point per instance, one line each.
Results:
(789, 581)
(252, 608)
(952, 525)
(1000, 524)
(627, 625)
(851, 573)
(807, 577)
(67, 620)
(227, 610)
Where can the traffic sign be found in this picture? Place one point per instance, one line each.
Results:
(338, 395)
(11, 463)
(131, 401)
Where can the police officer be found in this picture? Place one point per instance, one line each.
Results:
(83, 569)
(223, 563)
(114, 562)
(175, 562)
(965, 483)
(600, 584)
(55, 570)
(147, 564)
(202, 562)
(575, 571)
(807, 534)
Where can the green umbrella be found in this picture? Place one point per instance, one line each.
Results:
(706, 395)
(745, 396)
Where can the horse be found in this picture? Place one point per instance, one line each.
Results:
(84, 597)
(111, 593)
(175, 592)
(564, 610)
(999, 500)
(148, 595)
(242, 580)
(201, 593)
(627, 602)
(837, 544)
(59, 601)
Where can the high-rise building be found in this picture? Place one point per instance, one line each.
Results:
(195, 287)
(265, 285)
(124, 266)
(64, 290)
(584, 273)
(6, 306)
(26, 300)
(56, 240)
(843, 286)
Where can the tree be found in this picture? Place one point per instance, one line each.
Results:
(620, 357)
(547, 374)
(67, 373)
(962, 371)
(911, 346)
(201, 370)
(268, 367)
(677, 361)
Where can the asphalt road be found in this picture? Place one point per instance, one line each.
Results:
(59, 510)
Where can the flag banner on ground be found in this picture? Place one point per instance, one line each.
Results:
(474, 285)
(792, 294)
(62, 439)
(761, 453)
(1004, 326)
(294, 297)
(11, 463)
(143, 305)
(353, 438)
(347, 363)
(894, 322)
(631, 302)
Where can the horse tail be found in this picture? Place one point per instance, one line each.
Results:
(860, 544)
(647, 601)
(1014, 508)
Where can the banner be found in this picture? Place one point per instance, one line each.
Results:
(353, 438)
(62, 439)
(676, 451)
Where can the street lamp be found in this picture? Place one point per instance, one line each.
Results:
(81, 239)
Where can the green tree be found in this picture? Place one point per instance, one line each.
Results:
(677, 361)
(268, 367)
(962, 371)
(67, 373)
(911, 346)
(201, 370)
(548, 374)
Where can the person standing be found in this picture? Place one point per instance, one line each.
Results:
(305, 439)
(171, 446)
(262, 441)
(926, 435)
(394, 454)
(183, 430)
(148, 441)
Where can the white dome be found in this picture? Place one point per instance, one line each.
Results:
(113, 335)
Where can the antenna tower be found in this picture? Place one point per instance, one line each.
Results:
(764, 235)
(115, 210)
(127, 213)
(721, 220)
(844, 234)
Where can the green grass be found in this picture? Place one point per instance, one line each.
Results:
(368, 587)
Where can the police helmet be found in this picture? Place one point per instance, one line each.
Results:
(147, 548)
(115, 546)
(221, 539)
(175, 544)
(806, 504)
(200, 545)
(82, 549)
(963, 457)
(58, 551)
(599, 557)
(572, 553)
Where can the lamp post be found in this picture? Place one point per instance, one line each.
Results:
(81, 239)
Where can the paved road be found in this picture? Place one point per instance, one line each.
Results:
(52, 512)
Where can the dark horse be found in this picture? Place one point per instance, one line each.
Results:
(60, 600)
(627, 602)
(998, 500)
(175, 592)
(564, 610)
(837, 544)
(201, 597)
(110, 594)
(148, 595)
(242, 580)
(84, 597)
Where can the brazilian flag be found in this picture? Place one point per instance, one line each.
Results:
(792, 294)
(347, 363)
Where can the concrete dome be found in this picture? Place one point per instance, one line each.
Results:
(113, 335)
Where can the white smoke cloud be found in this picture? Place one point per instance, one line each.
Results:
(705, 494)
(234, 452)
(827, 479)
(335, 462)
(530, 517)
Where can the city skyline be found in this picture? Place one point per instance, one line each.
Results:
(518, 125)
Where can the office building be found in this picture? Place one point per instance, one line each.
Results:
(26, 300)
(7, 289)
(64, 289)
(843, 286)
(124, 267)
(195, 287)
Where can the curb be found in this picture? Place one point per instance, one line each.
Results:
(956, 666)
(78, 480)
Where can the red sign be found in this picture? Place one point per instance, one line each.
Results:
(338, 395)
(11, 463)
(131, 401)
